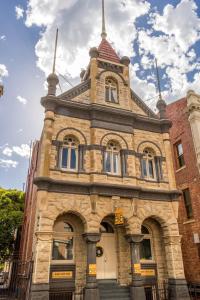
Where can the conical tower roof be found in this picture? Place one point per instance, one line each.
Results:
(107, 52)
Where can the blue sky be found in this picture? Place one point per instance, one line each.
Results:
(143, 30)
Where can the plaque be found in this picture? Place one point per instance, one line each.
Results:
(119, 219)
(148, 272)
(137, 268)
(62, 275)
(92, 269)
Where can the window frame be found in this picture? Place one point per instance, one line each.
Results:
(178, 156)
(110, 87)
(112, 154)
(62, 237)
(150, 238)
(188, 208)
(69, 155)
(145, 159)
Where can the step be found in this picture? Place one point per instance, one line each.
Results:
(110, 290)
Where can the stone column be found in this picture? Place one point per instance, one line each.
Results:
(177, 284)
(137, 288)
(91, 289)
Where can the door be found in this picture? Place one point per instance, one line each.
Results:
(107, 257)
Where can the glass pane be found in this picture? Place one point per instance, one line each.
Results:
(63, 250)
(181, 161)
(151, 174)
(115, 163)
(113, 95)
(64, 157)
(145, 249)
(107, 94)
(73, 159)
(144, 168)
(180, 149)
(108, 162)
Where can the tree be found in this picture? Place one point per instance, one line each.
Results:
(11, 215)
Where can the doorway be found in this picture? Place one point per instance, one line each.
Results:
(106, 253)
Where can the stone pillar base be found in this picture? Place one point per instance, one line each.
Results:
(178, 289)
(39, 292)
(137, 292)
(91, 294)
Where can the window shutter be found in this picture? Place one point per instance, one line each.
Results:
(158, 165)
(123, 156)
(81, 158)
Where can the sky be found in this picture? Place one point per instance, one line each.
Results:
(168, 30)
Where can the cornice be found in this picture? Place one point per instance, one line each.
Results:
(112, 117)
(109, 190)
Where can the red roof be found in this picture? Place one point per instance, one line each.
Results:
(107, 52)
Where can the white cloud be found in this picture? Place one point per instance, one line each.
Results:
(2, 37)
(19, 12)
(3, 71)
(8, 163)
(22, 100)
(79, 25)
(23, 150)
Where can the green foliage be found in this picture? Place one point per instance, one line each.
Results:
(11, 215)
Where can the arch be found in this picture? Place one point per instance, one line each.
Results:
(71, 131)
(149, 144)
(112, 74)
(115, 137)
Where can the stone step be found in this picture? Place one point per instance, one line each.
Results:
(110, 290)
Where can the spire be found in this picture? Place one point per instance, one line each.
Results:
(103, 34)
(52, 79)
(55, 52)
(161, 105)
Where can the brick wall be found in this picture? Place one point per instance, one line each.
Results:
(186, 177)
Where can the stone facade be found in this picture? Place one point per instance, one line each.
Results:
(90, 195)
(185, 128)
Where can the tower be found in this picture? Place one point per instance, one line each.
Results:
(106, 199)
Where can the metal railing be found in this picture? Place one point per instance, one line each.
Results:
(194, 290)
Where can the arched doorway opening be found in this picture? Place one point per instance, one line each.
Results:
(107, 251)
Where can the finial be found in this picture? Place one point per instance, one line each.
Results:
(161, 105)
(103, 34)
(1, 89)
(52, 79)
(55, 52)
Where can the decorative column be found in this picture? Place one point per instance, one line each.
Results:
(178, 289)
(91, 289)
(137, 288)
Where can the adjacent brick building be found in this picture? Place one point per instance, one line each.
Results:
(185, 138)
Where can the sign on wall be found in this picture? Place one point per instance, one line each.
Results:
(119, 219)
(92, 269)
(62, 275)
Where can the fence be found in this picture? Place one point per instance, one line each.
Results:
(194, 291)
(15, 280)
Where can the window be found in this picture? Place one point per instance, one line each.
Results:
(69, 154)
(148, 165)
(111, 90)
(188, 204)
(145, 245)
(106, 228)
(63, 242)
(112, 158)
(179, 155)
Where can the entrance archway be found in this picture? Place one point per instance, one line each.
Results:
(107, 252)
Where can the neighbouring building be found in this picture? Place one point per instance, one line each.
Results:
(102, 217)
(185, 139)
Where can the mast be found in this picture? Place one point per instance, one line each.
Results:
(103, 34)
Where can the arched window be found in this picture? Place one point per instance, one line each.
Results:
(145, 245)
(111, 90)
(63, 242)
(106, 228)
(148, 164)
(112, 158)
(69, 154)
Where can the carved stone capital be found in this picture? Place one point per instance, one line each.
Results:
(172, 239)
(92, 237)
(134, 238)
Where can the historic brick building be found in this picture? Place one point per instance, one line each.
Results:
(185, 139)
(105, 210)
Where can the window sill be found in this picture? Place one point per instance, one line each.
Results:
(61, 262)
(189, 221)
(180, 169)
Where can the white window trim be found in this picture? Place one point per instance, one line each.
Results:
(68, 235)
(110, 87)
(112, 162)
(68, 159)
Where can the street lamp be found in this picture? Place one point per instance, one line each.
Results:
(1, 90)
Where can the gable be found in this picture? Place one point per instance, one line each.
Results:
(139, 106)
(79, 92)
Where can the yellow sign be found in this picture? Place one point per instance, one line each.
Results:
(137, 268)
(92, 269)
(119, 219)
(149, 272)
(62, 275)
